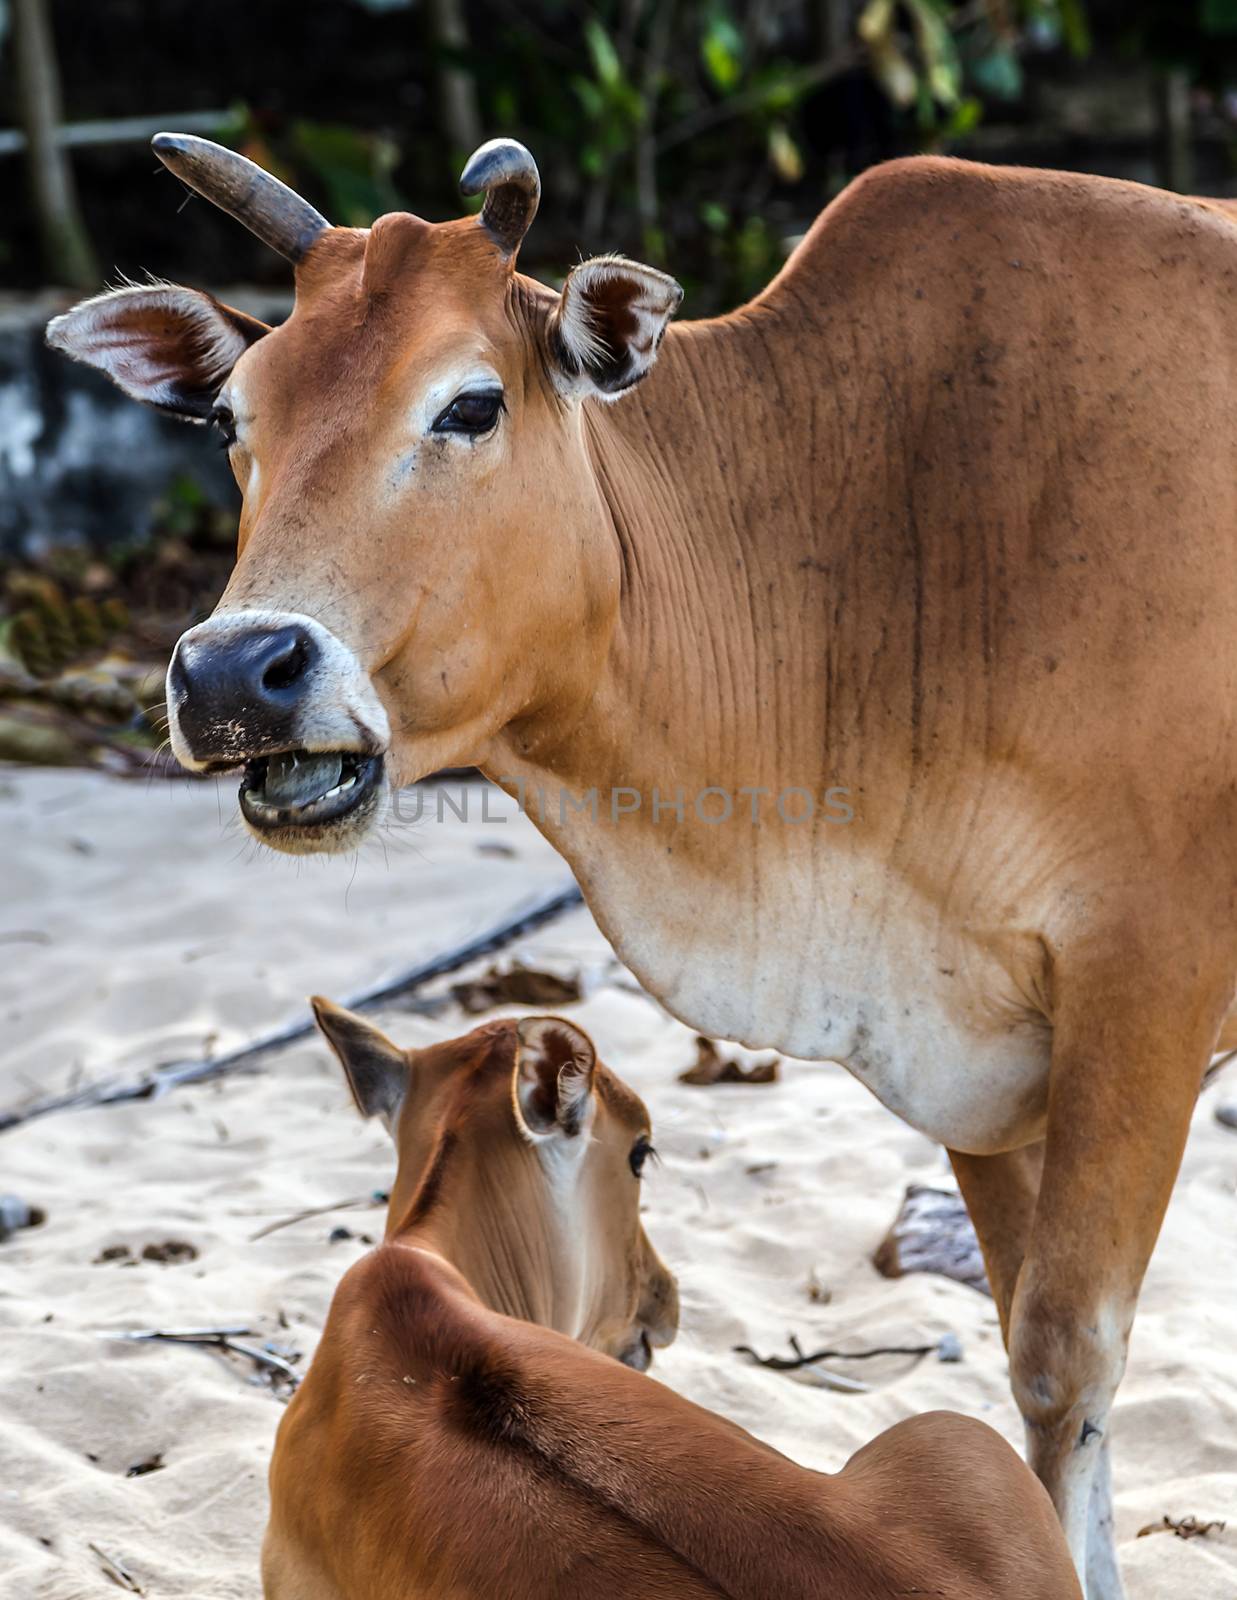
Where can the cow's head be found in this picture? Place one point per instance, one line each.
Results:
(520, 1157)
(424, 557)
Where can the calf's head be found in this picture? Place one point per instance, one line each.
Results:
(519, 1159)
(424, 558)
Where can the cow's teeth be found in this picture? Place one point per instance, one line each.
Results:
(297, 778)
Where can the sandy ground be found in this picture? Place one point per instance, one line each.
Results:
(136, 926)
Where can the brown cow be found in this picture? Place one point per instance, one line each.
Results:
(451, 1442)
(935, 535)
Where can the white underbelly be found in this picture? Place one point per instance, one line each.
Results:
(917, 1012)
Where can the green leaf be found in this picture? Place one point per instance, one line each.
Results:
(965, 117)
(354, 167)
(1053, 22)
(925, 106)
(893, 71)
(590, 97)
(998, 74)
(784, 153)
(777, 88)
(936, 47)
(721, 50)
(1075, 27)
(653, 246)
(876, 21)
(606, 64)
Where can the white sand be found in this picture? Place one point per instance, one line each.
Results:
(137, 926)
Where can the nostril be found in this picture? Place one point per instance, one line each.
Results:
(287, 667)
(178, 682)
(238, 688)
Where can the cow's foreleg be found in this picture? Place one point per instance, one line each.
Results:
(1124, 1078)
(1001, 1192)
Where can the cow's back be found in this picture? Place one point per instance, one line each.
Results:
(395, 1473)
(1061, 346)
(1038, 374)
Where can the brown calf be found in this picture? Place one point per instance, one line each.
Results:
(451, 1442)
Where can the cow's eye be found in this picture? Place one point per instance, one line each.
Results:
(640, 1153)
(474, 413)
(224, 423)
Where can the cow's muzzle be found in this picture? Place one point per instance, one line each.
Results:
(657, 1316)
(238, 692)
(281, 696)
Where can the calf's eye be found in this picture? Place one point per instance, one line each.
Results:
(224, 423)
(473, 413)
(640, 1153)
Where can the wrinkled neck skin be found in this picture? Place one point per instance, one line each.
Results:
(852, 557)
(813, 598)
(715, 678)
(506, 1240)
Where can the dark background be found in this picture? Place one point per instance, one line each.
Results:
(699, 136)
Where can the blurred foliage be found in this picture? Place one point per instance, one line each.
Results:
(683, 130)
(85, 637)
(1200, 37)
(51, 632)
(352, 167)
(75, 599)
(700, 134)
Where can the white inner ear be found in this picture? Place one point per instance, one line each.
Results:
(654, 298)
(574, 1089)
(95, 332)
(575, 1111)
(573, 1108)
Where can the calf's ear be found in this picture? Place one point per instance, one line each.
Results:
(376, 1069)
(608, 323)
(170, 347)
(554, 1067)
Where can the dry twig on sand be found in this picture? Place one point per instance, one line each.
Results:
(116, 1570)
(377, 1197)
(946, 1348)
(219, 1339)
(173, 1074)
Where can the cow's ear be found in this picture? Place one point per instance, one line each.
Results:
(554, 1068)
(608, 323)
(170, 347)
(377, 1070)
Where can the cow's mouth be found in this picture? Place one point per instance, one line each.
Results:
(306, 800)
(639, 1354)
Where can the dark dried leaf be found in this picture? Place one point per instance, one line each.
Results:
(712, 1067)
(112, 1252)
(171, 1252)
(515, 986)
(1183, 1527)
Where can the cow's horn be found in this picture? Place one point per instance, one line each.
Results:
(508, 175)
(236, 185)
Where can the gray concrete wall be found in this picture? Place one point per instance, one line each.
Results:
(80, 463)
